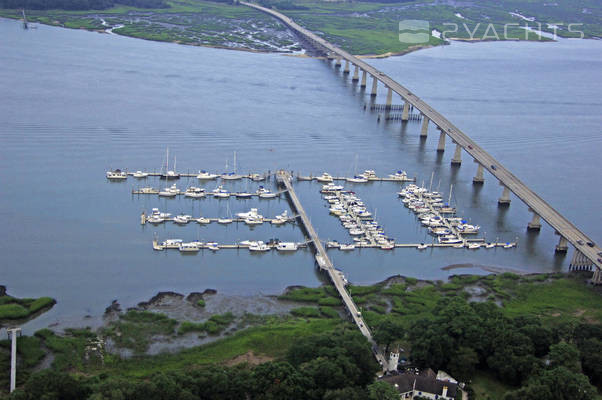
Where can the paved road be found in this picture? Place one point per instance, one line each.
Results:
(528, 196)
(325, 264)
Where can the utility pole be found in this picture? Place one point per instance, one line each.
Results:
(13, 357)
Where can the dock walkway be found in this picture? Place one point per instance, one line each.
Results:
(284, 178)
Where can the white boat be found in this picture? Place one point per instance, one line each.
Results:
(166, 173)
(387, 246)
(252, 213)
(399, 176)
(357, 179)
(332, 244)
(257, 177)
(117, 175)
(422, 246)
(247, 242)
(224, 221)
(140, 174)
(259, 246)
(474, 246)
(206, 176)
(331, 188)
(325, 177)
(449, 240)
(458, 246)
(203, 220)
(148, 190)
(490, 245)
(509, 245)
(268, 195)
(281, 219)
(172, 243)
(253, 221)
(439, 231)
(369, 174)
(220, 192)
(356, 232)
(287, 246)
(171, 191)
(190, 247)
(230, 176)
(346, 247)
(195, 192)
(153, 219)
(468, 229)
(243, 195)
(182, 219)
(213, 246)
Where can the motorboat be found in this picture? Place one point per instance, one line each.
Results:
(171, 191)
(213, 246)
(325, 177)
(509, 245)
(206, 176)
(287, 246)
(190, 247)
(253, 213)
(257, 177)
(490, 245)
(195, 192)
(387, 246)
(254, 220)
(356, 232)
(182, 219)
(117, 174)
(148, 190)
(156, 213)
(220, 192)
(155, 219)
(422, 246)
(449, 240)
(440, 231)
(224, 221)
(259, 246)
(243, 195)
(369, 174)
(332, 244)
(468, 229)
(357, 179)
(346, 247)
(331, 188)
(458, 246)
(281, 219)
(399, 176)
(203, 220)
(172, 243)
(474, 246)
(266, 194)
(140, 174)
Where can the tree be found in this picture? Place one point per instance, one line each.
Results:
(382, 391)
(387, 332)
(555, 384)
(591, 359)
(53, 385)
(348, 393)
(565, 355)
(462, 364)
(278, 380)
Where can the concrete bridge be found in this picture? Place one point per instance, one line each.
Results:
(585, 256)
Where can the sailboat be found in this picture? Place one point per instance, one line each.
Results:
(168, 174)
(228, 219)
(229, 176)
(25, 25)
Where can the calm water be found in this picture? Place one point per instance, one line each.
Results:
(76, 103)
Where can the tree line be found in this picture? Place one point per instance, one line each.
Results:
(334, 366)
(551, 363)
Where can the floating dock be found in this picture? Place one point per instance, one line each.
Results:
(342, 178)
(236, 246)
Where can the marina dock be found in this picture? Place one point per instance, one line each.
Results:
(324, 263)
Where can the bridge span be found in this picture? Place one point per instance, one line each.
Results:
(585, 256)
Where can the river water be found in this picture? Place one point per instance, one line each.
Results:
(77, 103)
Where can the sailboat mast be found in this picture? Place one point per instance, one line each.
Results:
(451, 188)
(235, 161)
(167, 161)
(174, 164)
(431, 184)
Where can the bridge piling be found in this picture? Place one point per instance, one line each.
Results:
(337, 64)
(346, 70)
(374, 86)
(535, 224)
(356, 76)
(364, 74)
(504, 199)
(406, 111)
(425, 126)
(478, 178)
(441, 144)
(597, 277)
(389, 98)
(562, 246)
(457, 159)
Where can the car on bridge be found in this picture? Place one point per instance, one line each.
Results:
(493, 167)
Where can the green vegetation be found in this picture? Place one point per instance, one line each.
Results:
(214, 326)
(135, 329)
(365, 27)
(13, 308)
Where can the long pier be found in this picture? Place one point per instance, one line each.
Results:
(585, 249)
(284, 178)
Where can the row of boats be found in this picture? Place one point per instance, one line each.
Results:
(251, 217)
(355, 217)
(197, 193)
(118, 174)
(252, 245)
(366, 176)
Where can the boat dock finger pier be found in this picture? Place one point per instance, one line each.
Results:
(325, 264)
